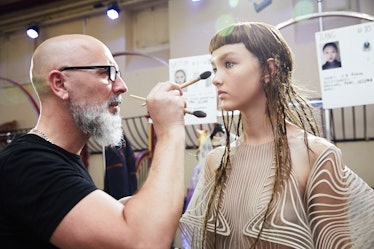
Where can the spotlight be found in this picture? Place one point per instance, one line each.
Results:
(32, 31)
(113, 11)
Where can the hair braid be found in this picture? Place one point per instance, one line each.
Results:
(220, 177)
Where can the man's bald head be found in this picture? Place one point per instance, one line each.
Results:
(60, 51)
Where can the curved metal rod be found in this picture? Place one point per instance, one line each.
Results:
(24, 90)
(325, 14)
(143, 55)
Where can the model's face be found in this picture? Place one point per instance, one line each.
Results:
(330, 53)
(237, 77)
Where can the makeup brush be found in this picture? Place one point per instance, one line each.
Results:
(198, 114)
(137, 97)
(202, 76)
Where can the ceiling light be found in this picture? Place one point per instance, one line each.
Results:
(113, 11)
(32, 31)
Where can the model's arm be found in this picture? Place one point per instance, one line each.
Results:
(150, 218)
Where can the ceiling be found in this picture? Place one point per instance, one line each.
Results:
(7, 6)
(15, 15)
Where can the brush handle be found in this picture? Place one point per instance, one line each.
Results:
(137, 97)
(186, 84)
(197, 114)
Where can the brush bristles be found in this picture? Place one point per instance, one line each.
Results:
(205, 75)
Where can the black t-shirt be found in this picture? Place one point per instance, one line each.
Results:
(39, 184)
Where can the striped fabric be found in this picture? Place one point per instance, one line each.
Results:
(323, 204)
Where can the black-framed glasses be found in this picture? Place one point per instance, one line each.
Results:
(111, 70)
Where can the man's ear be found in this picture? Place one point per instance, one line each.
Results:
(56, 82)
(272, 67)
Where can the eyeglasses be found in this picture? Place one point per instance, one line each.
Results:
(111, 70)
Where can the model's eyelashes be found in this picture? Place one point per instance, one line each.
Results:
(229, 64)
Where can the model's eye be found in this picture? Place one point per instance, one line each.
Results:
(229, 64)
(214, 69)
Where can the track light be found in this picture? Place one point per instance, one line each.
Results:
(32, 31)
(113, 11)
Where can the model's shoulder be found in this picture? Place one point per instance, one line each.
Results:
(296, 138)
(317, 145)
(320, 144)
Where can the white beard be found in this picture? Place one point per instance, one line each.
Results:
(98, 122)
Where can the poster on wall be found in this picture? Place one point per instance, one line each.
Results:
(346, 65)
(200, 96)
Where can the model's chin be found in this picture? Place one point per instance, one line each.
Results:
(224, 105)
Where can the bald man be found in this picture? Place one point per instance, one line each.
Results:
(47, 198)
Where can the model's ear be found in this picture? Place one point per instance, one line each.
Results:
(271, 69)
(56, 82)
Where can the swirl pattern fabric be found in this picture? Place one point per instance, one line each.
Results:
(333, 208)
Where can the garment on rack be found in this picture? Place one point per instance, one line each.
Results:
(120, 174)
(333, 209)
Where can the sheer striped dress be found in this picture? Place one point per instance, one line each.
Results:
(323, 204)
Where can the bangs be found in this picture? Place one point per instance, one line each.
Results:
(249, 34)
(228, 35)
(254, 36)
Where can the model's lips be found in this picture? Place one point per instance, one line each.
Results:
(221, 93)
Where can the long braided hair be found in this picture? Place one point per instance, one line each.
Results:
(283, 104)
